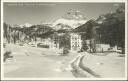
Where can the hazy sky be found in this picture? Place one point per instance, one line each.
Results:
(35, 13)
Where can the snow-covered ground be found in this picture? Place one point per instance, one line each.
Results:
(37, 62)
(32, 62)
(108, 66)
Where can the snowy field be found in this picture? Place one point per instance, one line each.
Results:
(32, 62)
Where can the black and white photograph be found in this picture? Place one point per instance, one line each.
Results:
(65, 40)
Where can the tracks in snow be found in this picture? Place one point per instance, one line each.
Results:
(80, 70)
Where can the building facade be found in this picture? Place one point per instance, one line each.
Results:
(76, 42)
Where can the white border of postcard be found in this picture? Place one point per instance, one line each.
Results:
(92, 1)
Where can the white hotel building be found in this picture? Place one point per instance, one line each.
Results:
(76, 42)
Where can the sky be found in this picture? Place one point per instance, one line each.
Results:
(37, 13)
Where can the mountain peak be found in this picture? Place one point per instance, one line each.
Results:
(71, 20)
(74, 14)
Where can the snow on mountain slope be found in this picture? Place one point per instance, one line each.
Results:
(71, 19)
(25, 25)
(73, 23)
